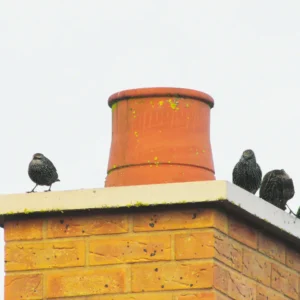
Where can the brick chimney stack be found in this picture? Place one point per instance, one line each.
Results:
(179, 241)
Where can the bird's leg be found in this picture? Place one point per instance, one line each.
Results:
(49, 190)
(32, 191)
(291, 211)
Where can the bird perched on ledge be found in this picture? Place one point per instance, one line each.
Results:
(42, 171)
(277, 188)
(247, 173)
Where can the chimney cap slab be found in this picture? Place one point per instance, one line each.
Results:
(216, 193)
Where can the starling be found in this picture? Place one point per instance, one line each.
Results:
(42, 171)
(247, 173)
(277, 188)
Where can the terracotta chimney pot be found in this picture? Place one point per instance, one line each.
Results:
(160, 135)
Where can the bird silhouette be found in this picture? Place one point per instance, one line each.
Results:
(247, 173)
(277, 188)
(42, 171)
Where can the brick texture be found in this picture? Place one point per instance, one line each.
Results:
(271, 247)
(171, 276)
(208, 244)
(32, 256)
(202, 296)
(285, 281)
(130, 249)
(293, 259)
(74, 283)
(152, 296)
(24, 286)
(257, 267)
(264, 293)
(195, 245)
(234, 284)
(242, 232)
(89, 225)
(168, 254)
(23, 230)
(196, 295)
(180, 219)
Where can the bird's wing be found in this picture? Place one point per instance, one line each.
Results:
(50, 164)
(237, 175)
(263, 186)
(267, 190)
(234, 173)
(288, 189)
(259, 173)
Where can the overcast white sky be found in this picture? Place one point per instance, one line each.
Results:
(61, 60)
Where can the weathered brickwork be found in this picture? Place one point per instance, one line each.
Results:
(169, 254)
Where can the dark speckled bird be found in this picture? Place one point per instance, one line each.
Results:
(247, 173)
(42, 171)
(277, 188)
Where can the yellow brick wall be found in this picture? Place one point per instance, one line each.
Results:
(161, 254)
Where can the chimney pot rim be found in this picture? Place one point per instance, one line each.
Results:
(148, 92)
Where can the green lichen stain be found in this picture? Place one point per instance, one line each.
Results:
(26, 211)
(139, 204)
(114, 106)
(161, 103)
(133, 113)
(56, 210)
(173, 104)
(182, 202)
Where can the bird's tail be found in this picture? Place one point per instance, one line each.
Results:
(57, 180)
